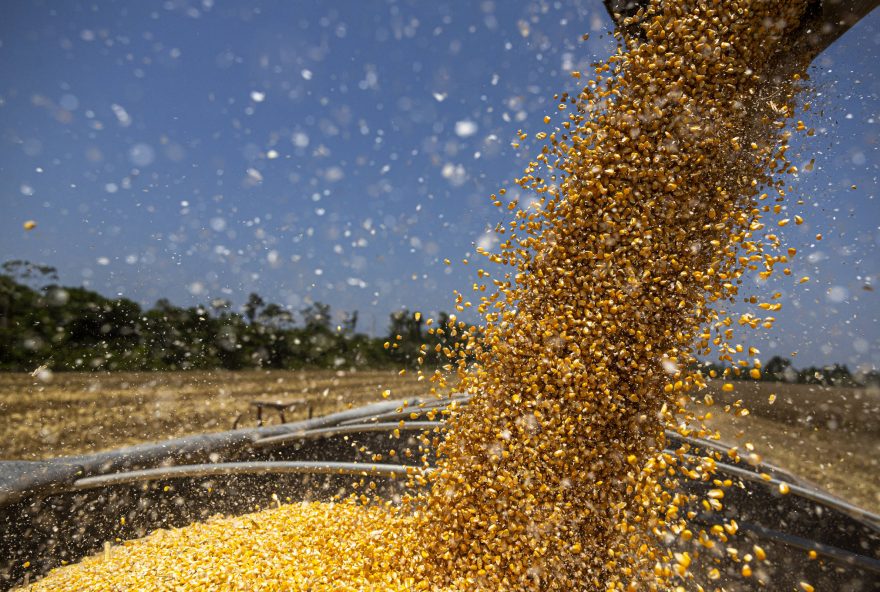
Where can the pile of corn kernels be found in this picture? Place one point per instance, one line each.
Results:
(653, 184)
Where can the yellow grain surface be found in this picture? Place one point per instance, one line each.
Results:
(297, 547)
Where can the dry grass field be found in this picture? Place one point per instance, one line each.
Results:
(828, 436)
(75, 413)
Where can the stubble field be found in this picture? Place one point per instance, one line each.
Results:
(828, 436)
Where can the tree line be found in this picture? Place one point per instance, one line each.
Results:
(73, 328)
(779, 369)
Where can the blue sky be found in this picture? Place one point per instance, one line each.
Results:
(339, 151)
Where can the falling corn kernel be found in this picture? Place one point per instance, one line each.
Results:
(617, 269)
(784, 488)
(29, 225)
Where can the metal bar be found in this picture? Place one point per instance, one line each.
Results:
(824, 22)
(833, 553)
(722, 449)
(355, 428)
(348, 468)
(421, 408)
(342, 430)
(800, 491)
(245, 468)
(195, 449)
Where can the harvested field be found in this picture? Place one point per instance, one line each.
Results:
(828, 436)
(77, 413)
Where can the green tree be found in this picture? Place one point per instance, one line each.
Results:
(72, 328)
(276, 316)
(21, 273)
(253, 305)
(317, 317)
(779, 369)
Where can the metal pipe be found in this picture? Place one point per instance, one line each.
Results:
(342, 430)
(790, 540)
(824, 21)
(245, 468)
(405, 413)
(797, 491)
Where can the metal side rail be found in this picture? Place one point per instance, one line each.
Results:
(244, 468)
(346, 429)
(391, 421)
(796, 490)
(806, 545)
